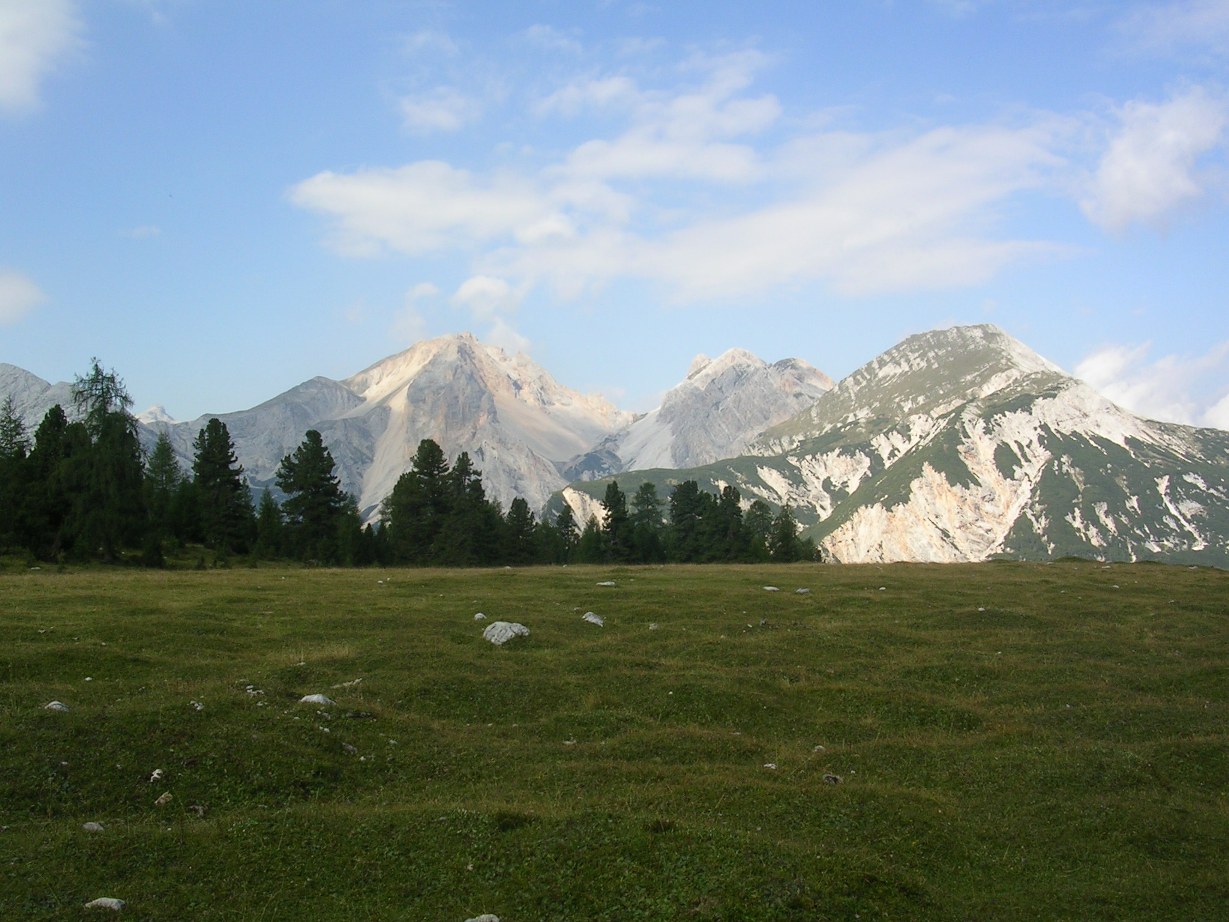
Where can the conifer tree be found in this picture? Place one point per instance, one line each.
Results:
(647, 525)
(163, 479)
(590, 548)
(109, 504)
(314, 499)
(758, 526)
(521, 529)
(415, 511)
(269, 528)
(569, 534)
(616, 526)
(14, 447)
(784, 544)
(224, 501)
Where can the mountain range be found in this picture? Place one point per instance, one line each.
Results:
(958, 444)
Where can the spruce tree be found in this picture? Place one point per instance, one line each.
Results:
(14, 447)
(314, 499)
(163, 478)
(109, 503)
(521, 546)
(784, 544)
(415, 511)
(647, 525)
(224, 502)
(616, 526)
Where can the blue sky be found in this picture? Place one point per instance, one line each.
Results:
(221, 199)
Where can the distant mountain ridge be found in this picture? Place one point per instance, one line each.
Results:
(522, 429)
(963, 444)
(957, 444)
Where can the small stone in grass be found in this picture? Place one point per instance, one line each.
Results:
(593, 618)
(485, 917)
(832, 779)
(92, 826)
(163, 800)
(316, 699)
(59, 706)
(106, 902)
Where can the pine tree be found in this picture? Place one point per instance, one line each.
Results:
(732, 541)
(686, 522)
(269, 528)
(647, 525)
(784, 544)
(314, 499)
(14, 447)
(591, 548)
(163, 478)
(224, 502)
(109, 504)
(569, 534)
(415, 511)
(616, 526)
(758, 526)
(521, 546)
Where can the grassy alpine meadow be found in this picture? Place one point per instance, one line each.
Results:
(999, 741)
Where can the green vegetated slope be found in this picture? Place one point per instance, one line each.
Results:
(1003, 741)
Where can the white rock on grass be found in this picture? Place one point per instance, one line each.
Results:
(593, 619)
(608, 582)
(92, 826)
(771, 589)
(485, 917)
(479, 617)
(500, 632)
(106, 902)
(316, 699)
(55, 706)
(802, 591)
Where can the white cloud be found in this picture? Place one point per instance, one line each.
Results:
(18, 296)
(422, 208)
(486, 297)
(442, 109)
(409, 324)
(35, 36)
(1174, 388)
(503, 335)
(1151, 166)
(1178, 26)
(430, 41)
(861, 212)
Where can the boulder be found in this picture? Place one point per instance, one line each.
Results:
(500, 632)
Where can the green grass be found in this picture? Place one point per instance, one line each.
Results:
(1012, 742)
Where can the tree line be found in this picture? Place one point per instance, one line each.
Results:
(83, 489)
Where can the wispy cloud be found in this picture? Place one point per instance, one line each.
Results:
(36, 36)
(1185, 389)
(18, 296)
(1179, 26)
(442, 109)
(1152, 164)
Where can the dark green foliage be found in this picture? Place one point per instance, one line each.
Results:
(315, 504)
(224, 503)
(14, 447)
(521, 546)
(270, 536)
(616, 525)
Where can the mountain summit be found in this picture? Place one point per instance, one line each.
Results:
(963, 444)
(715, 412)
